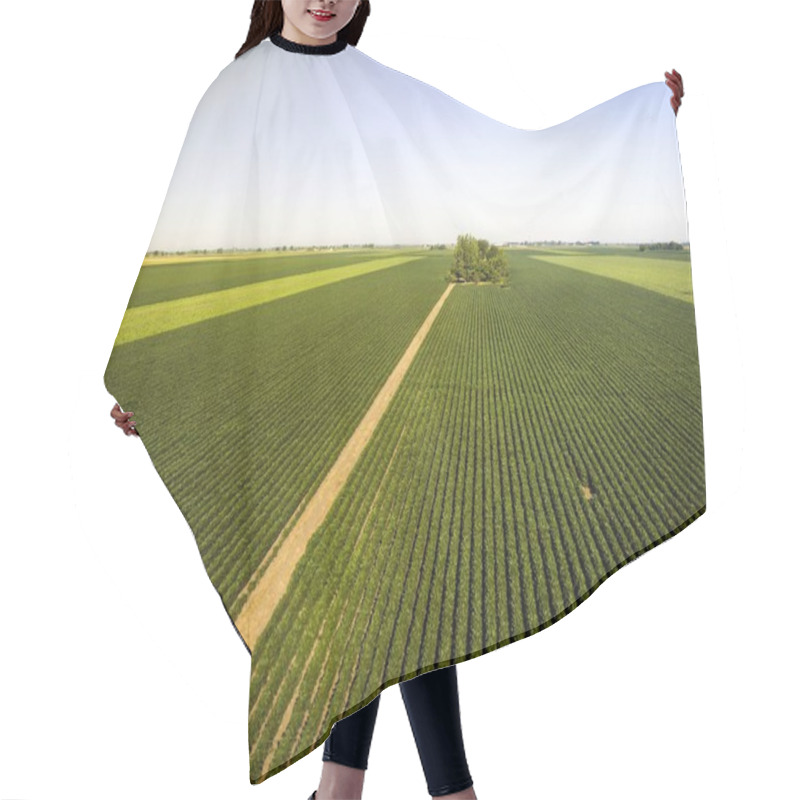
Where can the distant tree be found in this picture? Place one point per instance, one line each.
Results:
(476, 260)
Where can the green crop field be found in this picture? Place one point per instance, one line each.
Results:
(665, 271)
(545, 435)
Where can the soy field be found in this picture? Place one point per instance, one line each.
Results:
(542, 436)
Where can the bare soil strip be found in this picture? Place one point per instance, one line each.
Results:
(267, 593)
(273, 548)
(322, 670)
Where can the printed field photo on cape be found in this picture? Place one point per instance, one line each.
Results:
(414, 414)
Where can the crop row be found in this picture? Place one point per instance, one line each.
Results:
(480, 532)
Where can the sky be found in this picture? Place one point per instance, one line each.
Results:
(290, 149)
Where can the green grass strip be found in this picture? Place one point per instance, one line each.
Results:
(666, 276)
(140, 322)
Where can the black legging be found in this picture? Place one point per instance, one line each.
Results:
(431, 701)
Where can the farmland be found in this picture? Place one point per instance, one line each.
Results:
(544, 435)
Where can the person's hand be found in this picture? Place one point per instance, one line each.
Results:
(122, 419)
(675, 82)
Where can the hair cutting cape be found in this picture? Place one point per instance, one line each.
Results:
(419, 381)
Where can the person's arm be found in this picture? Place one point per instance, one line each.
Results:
(675, 82)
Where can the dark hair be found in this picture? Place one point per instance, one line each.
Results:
(266, 18)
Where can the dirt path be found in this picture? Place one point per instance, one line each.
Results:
(267, 763)
(267, 593)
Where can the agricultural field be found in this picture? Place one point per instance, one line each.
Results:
(543, 435)
(671, 275)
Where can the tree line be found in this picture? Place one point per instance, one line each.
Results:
(661, 246)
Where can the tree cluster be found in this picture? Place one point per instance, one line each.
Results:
(475, 260)
(661, 246)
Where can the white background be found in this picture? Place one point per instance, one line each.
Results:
(120, 674)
